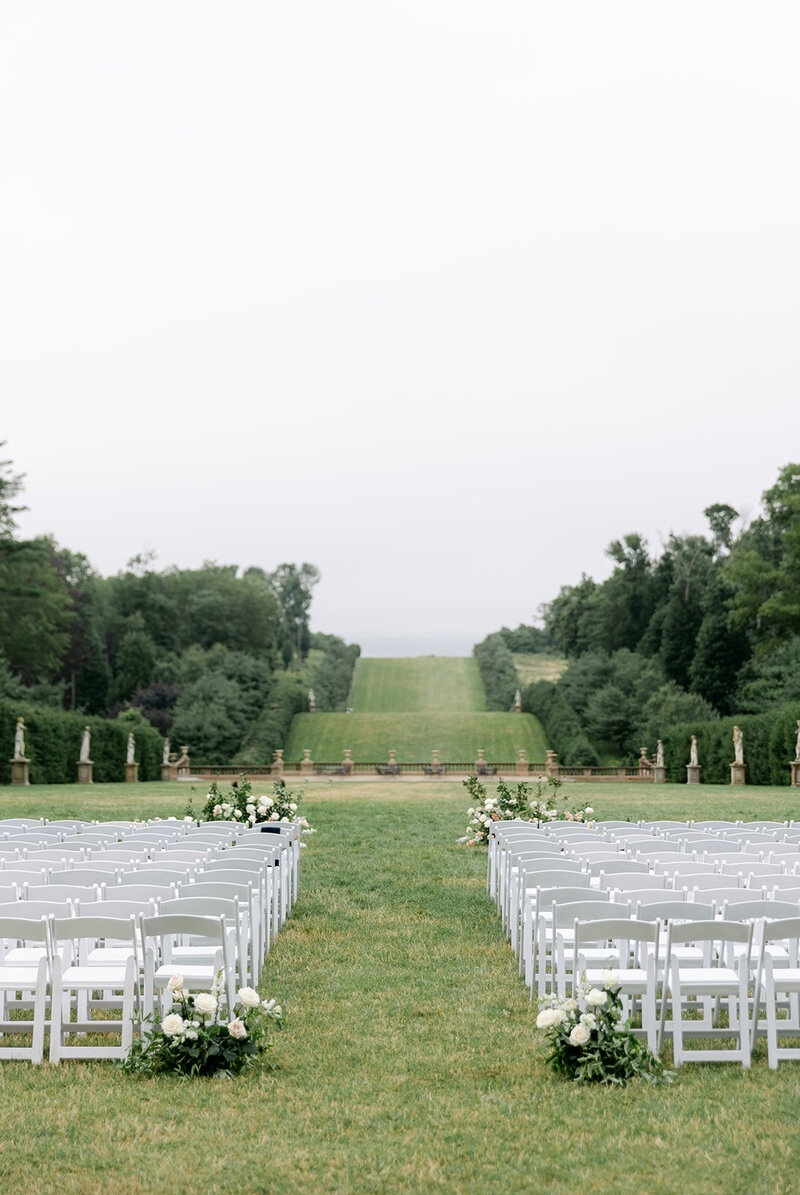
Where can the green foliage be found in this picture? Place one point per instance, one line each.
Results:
(10, 487)
(562, 726)
(769, 741)
(333, 676)
(498, 673)
(590, 1044)
(53, 741)
(292, 589)
(241, 804)
(191, 1042)
(270, 730)
(35, 609)
(525, 639)
(525, 801)
(772, 678)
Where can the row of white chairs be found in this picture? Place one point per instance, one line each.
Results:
(554, 893)
(203, 878)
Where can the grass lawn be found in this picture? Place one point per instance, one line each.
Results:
(423, 684)
(410, 1062)
(457, 736)
(532, 666)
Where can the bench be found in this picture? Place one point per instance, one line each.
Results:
(433, 769)
(483, 770)
(337, 770)
(387, 769)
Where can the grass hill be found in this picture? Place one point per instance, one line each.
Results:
(532, 667)
(414, 736)
(419, 685)
(415, 706)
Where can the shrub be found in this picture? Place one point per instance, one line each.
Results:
(769, 742)
(53, 743)
(562, 726)
(271, 729)
(499, 676)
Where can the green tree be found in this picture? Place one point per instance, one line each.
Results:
(292, 588)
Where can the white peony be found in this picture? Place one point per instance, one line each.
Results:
(205, 1004)
(237, 1028)
(580, 1035)
(610, 979)
(173, 1024)
(570, 1005)
(175, 983)
(596, 998)
(249, 997)
(191, 1034)
(549, 1017)
(589, 1020)
(588, 811)
(274, 817)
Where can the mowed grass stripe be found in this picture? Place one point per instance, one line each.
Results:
(414, 737)
(437, 684)
(410, 1062)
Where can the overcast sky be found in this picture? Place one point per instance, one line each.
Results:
(441, 296)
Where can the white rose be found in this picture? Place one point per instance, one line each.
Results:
(217, 811)
(596, 998)
(205, 1003)
(237, 813)
(589, 1020)
(236, 1028)
(551, 813)
(268, 801)
(250, 808)
(549, 1017)
(579, 1036)
(588, 810)
(293, 806)
(570, 1005)
(190, 1034)
(249, 997)
(175, 983)
(610, 979)
(274, 817)
(172, 1025)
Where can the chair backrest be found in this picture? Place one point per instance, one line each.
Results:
(554, 879)
(57, 892)
(675, 910)
(614, 929)
(752, 869)
(548, 896)
(705, 881)
(742, 910)
(773, 931)
(113, 908)
(210, 928)
(565, 915)
(657, 896)
(686, 865)
(155, 876)
(248, 866)
(140, 892)
(121, 929)
(86, 876)
(57, 854)
(631, 881)
(616, 866)
(225, 889)
(203, 906)
(13, 929)
(784, 893)
(36, 909)
(720, 895)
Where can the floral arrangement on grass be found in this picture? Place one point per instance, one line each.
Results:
(240, 804)
(201, 1037)
(590, 1043)
(525, 802)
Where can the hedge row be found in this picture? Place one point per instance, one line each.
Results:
(53, 743)
(288, 697)
(769, 744)
(562, 726)
(498, 673)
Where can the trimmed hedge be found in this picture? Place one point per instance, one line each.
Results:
(498, 672)
(53, 744)
(562, 726)
(769, 743)
(289, 696)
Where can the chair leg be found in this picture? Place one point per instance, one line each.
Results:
(39, 1012)
(56, 1011)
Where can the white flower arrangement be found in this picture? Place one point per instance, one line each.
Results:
(524, 802)
(200, 1036)
(589, 1043)
(242, 805)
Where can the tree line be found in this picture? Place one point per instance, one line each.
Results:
(200, 653)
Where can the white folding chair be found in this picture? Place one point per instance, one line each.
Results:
(712, 982)
(633, 947)
(780, 987)
(237, 918)
(21, 934)
(160, 934)
(76, 974)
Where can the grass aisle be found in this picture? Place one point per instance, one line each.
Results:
(410, 1062)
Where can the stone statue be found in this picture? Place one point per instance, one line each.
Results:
(165, 756)
(518, 699)
(659, 754)
(312, 701)
(797, 744)
(85, 741)
(693, 753)
(738, 745)
(19, 739)
(131, 748)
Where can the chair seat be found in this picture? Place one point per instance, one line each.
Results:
(192, 973)
(632, 979)
(711, 981)
(94, 977)
(103, 956)
(17, 978)
(787, 979)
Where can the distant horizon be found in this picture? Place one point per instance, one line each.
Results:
(377, 645)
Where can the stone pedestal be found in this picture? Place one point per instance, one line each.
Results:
(738, 773)
(306, 763)
(347, 763)
(795, 766)
(276, 767)
(480, 762)
(551, 767)
(20, 771)
(165, 772)
(85, 771)
(183, 766)
(521, 767)
(659, 775)
(131, 773)
(692, 773)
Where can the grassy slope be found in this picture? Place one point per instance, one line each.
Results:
(410, 1062)
(415, 706)
(424, 684)
(414, 736)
